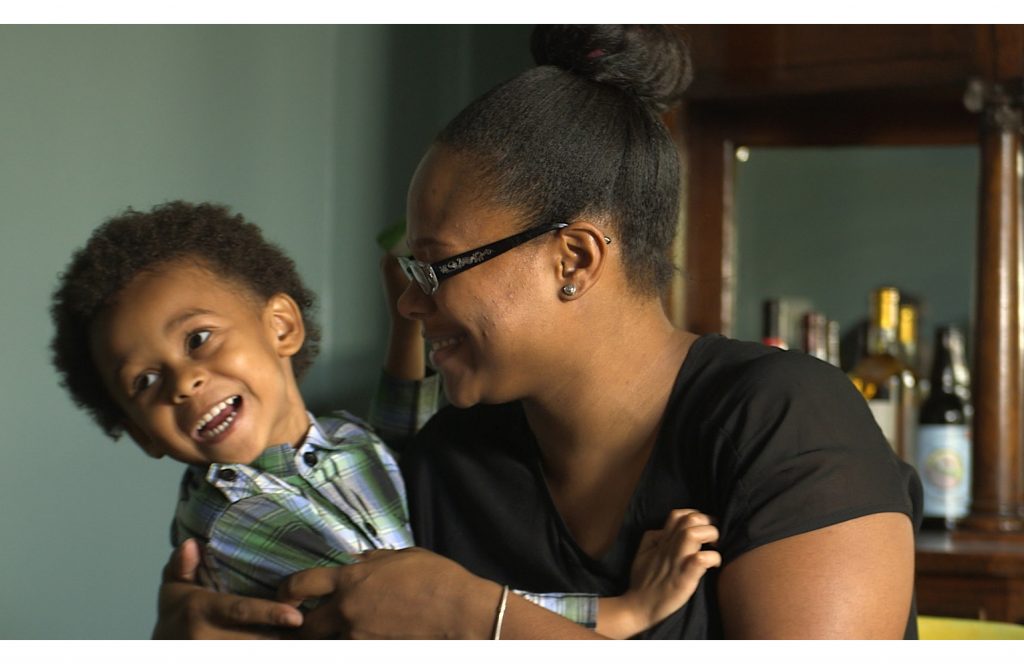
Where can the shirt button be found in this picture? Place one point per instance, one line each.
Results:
(370, 529)
(309, 458)
(227, 474)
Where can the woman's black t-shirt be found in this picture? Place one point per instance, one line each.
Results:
(770, 443)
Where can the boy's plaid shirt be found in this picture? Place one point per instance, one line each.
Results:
(337, 494)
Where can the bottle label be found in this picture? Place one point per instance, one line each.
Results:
(944, 464)
(884, 411)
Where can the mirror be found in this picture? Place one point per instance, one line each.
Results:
(824, 226)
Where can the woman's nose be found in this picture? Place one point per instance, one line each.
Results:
(414, 304)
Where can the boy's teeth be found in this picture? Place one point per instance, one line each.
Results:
(220, 428)
(215, 411)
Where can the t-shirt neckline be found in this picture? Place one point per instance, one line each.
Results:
(607, 562)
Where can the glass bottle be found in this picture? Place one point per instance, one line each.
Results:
(944, 436)
(884, 378)
(910, 313)
(832, 342)
(814, 333)
(771, 324)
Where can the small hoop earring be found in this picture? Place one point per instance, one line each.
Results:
(569, 290)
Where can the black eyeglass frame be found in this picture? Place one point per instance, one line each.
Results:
(430, 275)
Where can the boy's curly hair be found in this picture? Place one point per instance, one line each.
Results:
(135, 242)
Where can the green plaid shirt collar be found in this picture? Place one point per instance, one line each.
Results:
(283, 460)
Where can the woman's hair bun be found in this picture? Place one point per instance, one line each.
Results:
(649, 61)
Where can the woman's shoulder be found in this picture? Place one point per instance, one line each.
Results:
(724, 370)
(742, 398)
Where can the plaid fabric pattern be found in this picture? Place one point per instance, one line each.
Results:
(579, 608)
(338, 494)
(400, 408)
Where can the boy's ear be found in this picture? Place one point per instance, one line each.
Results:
(284, 320)
(583, 252)
(142, 440)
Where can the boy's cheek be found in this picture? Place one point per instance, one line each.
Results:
(143, 440)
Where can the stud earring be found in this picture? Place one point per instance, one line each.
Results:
(607, 240)
(569, 290)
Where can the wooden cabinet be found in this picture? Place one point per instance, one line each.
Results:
(882, 85)
(971, 577)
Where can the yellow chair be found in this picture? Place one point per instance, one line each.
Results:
(940, 628)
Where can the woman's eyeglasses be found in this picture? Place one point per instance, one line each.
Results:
(430, 275)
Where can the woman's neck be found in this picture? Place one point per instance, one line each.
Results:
(606, 404)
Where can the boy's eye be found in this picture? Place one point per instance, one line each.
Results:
(197, 339)
(144, 381)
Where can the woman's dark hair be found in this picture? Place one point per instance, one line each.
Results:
(580, 134)
(137, 242)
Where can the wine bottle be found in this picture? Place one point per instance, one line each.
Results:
(884, 378)
(961, 374)
(832, 342)
(944, 436)
(910, 313)
(814, 333)
(771, 324)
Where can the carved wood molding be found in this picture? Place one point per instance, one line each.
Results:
(998, 483)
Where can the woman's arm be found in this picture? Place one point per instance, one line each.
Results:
(414, 593)
(417, 594)
(851, 580)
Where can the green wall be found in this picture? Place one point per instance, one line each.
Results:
(310, 131)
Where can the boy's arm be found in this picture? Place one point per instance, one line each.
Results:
(406, 397)
(580, 608)
(400, 408)
(669, 564)
(406, 356)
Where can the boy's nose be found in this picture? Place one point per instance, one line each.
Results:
(187, 382)
(414, 304)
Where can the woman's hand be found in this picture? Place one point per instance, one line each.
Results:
(412, 594)
(186, 610)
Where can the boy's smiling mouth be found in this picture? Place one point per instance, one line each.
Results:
(217, 420)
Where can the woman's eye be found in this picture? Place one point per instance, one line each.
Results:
(197, 339)
(144, 381)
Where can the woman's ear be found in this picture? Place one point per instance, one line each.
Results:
(284, 321)
(583, 252)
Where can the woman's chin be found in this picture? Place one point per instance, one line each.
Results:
(460, 400)
(458, 390)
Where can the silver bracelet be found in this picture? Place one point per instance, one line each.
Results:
(501, 613)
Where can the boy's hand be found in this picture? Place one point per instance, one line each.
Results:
(395, 283)
(668, 566)
(186, 610)
(406, 358)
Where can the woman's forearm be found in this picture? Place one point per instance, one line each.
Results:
(522, 618)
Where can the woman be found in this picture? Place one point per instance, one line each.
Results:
(540, 222)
